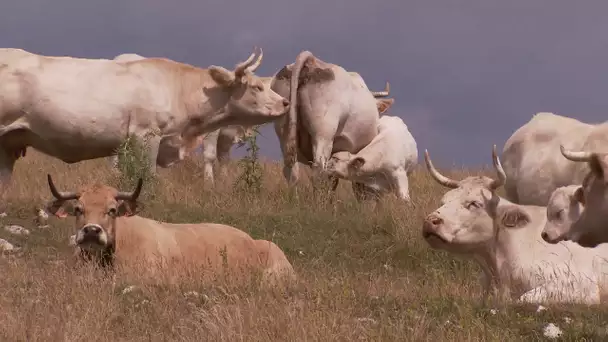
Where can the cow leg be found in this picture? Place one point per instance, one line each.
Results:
(321, 153)
(210, 156)
(399, 178)
(7, 164)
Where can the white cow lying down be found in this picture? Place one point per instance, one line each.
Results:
(505, 239)
(384, 164)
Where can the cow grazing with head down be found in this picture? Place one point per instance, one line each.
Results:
(563, 209)
(591, 228)
(77, 109)
(382, 166)
(110, 232)
(215, 145)
(334, 111)
(532, 161)
(505, 238)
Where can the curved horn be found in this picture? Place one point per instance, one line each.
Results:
(502, 176)
(62, 196)
(441, 179)
(241, 67)
(580, 156)
(384, 93)
(131, 196)
(253, 67)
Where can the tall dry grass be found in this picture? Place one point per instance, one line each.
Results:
(365, 273)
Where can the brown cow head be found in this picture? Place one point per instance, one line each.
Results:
(95, 208)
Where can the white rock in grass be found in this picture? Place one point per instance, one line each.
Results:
(552, 331)
(6, 246)
(17, 230)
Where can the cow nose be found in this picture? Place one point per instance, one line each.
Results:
(434, 220)
(545, 236)
(91, 229)
(285, 102)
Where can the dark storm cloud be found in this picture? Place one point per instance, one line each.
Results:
(465, 74)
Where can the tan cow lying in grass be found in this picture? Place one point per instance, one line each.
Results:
(505, 238)
(111, 233)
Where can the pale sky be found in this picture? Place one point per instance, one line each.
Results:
(465, 74)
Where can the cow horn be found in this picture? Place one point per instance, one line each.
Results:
(580, 156)
(502, 176)
(131, 196)
(384, 93)
(62, 196)
(441, 179)
(241, 67)
(253, 67)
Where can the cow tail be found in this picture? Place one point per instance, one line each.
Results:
(291, 141)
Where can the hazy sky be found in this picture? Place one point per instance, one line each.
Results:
(464, 74)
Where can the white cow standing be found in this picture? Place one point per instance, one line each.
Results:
(215, 145)
(334, 111)
(216, 148)
(382, 166)
(76, 109)
(533, 163)
(505, 238)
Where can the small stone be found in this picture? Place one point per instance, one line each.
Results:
(552, 331)
(7, 246)
(128, 289)
(17, 230)
(191, 294)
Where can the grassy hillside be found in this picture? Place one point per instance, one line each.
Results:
(365, 274)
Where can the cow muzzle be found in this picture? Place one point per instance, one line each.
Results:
(91, 234)
(431, 227)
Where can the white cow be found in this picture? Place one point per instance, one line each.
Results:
(77, 109)
(590, 229)
(505, 238)
(334, 111)
(383, 165)
(563, 209)
(216, 145)
(532, 160)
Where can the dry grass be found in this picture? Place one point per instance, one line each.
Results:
(365, 274)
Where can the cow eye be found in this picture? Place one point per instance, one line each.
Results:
(78, 211)
(473, 204)
(259, 88)
(560, 214)
(112, 212)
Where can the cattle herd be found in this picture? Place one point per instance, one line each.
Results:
(543, 242)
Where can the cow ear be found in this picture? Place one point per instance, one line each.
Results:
(128, 208)
(222, 76)
(579, 196)
(514, 217)
(599, 164)
(356, 163)
(384, 104)
(61, 209)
